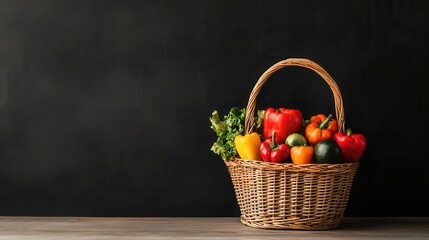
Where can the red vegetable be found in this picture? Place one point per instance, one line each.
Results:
(352, 145)
(283, 121)
(273, 152)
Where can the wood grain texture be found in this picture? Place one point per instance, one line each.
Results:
(201, 228)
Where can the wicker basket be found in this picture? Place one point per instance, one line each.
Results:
(287, 195)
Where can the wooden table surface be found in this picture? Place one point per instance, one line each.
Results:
(12, 228)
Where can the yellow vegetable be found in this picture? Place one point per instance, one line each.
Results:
(248, 146)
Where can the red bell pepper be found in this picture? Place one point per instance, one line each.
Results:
(283, 121)
(352, 145)
(273, 152)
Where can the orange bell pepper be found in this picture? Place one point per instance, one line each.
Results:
(302, 154)
(320, 128)
(332, 125)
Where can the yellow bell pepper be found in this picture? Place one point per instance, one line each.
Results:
(248, 146)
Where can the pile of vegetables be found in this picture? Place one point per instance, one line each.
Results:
(283, 136)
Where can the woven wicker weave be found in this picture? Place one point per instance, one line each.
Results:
(287, 195)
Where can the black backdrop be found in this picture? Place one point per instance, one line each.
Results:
(104, 105)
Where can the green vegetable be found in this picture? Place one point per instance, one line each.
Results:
(228, 128)
(327, 151)
(296, 139)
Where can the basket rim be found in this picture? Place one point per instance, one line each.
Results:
(309, 167)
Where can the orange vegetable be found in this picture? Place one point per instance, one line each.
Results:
(332, 125)
(320, 128)
(301, 154)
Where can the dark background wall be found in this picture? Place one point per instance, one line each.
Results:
(104, 105)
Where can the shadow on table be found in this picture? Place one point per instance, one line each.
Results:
(384, 223)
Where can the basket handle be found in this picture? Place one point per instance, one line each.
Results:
(300, 62)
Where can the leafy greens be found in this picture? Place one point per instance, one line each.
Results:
(228, 128)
